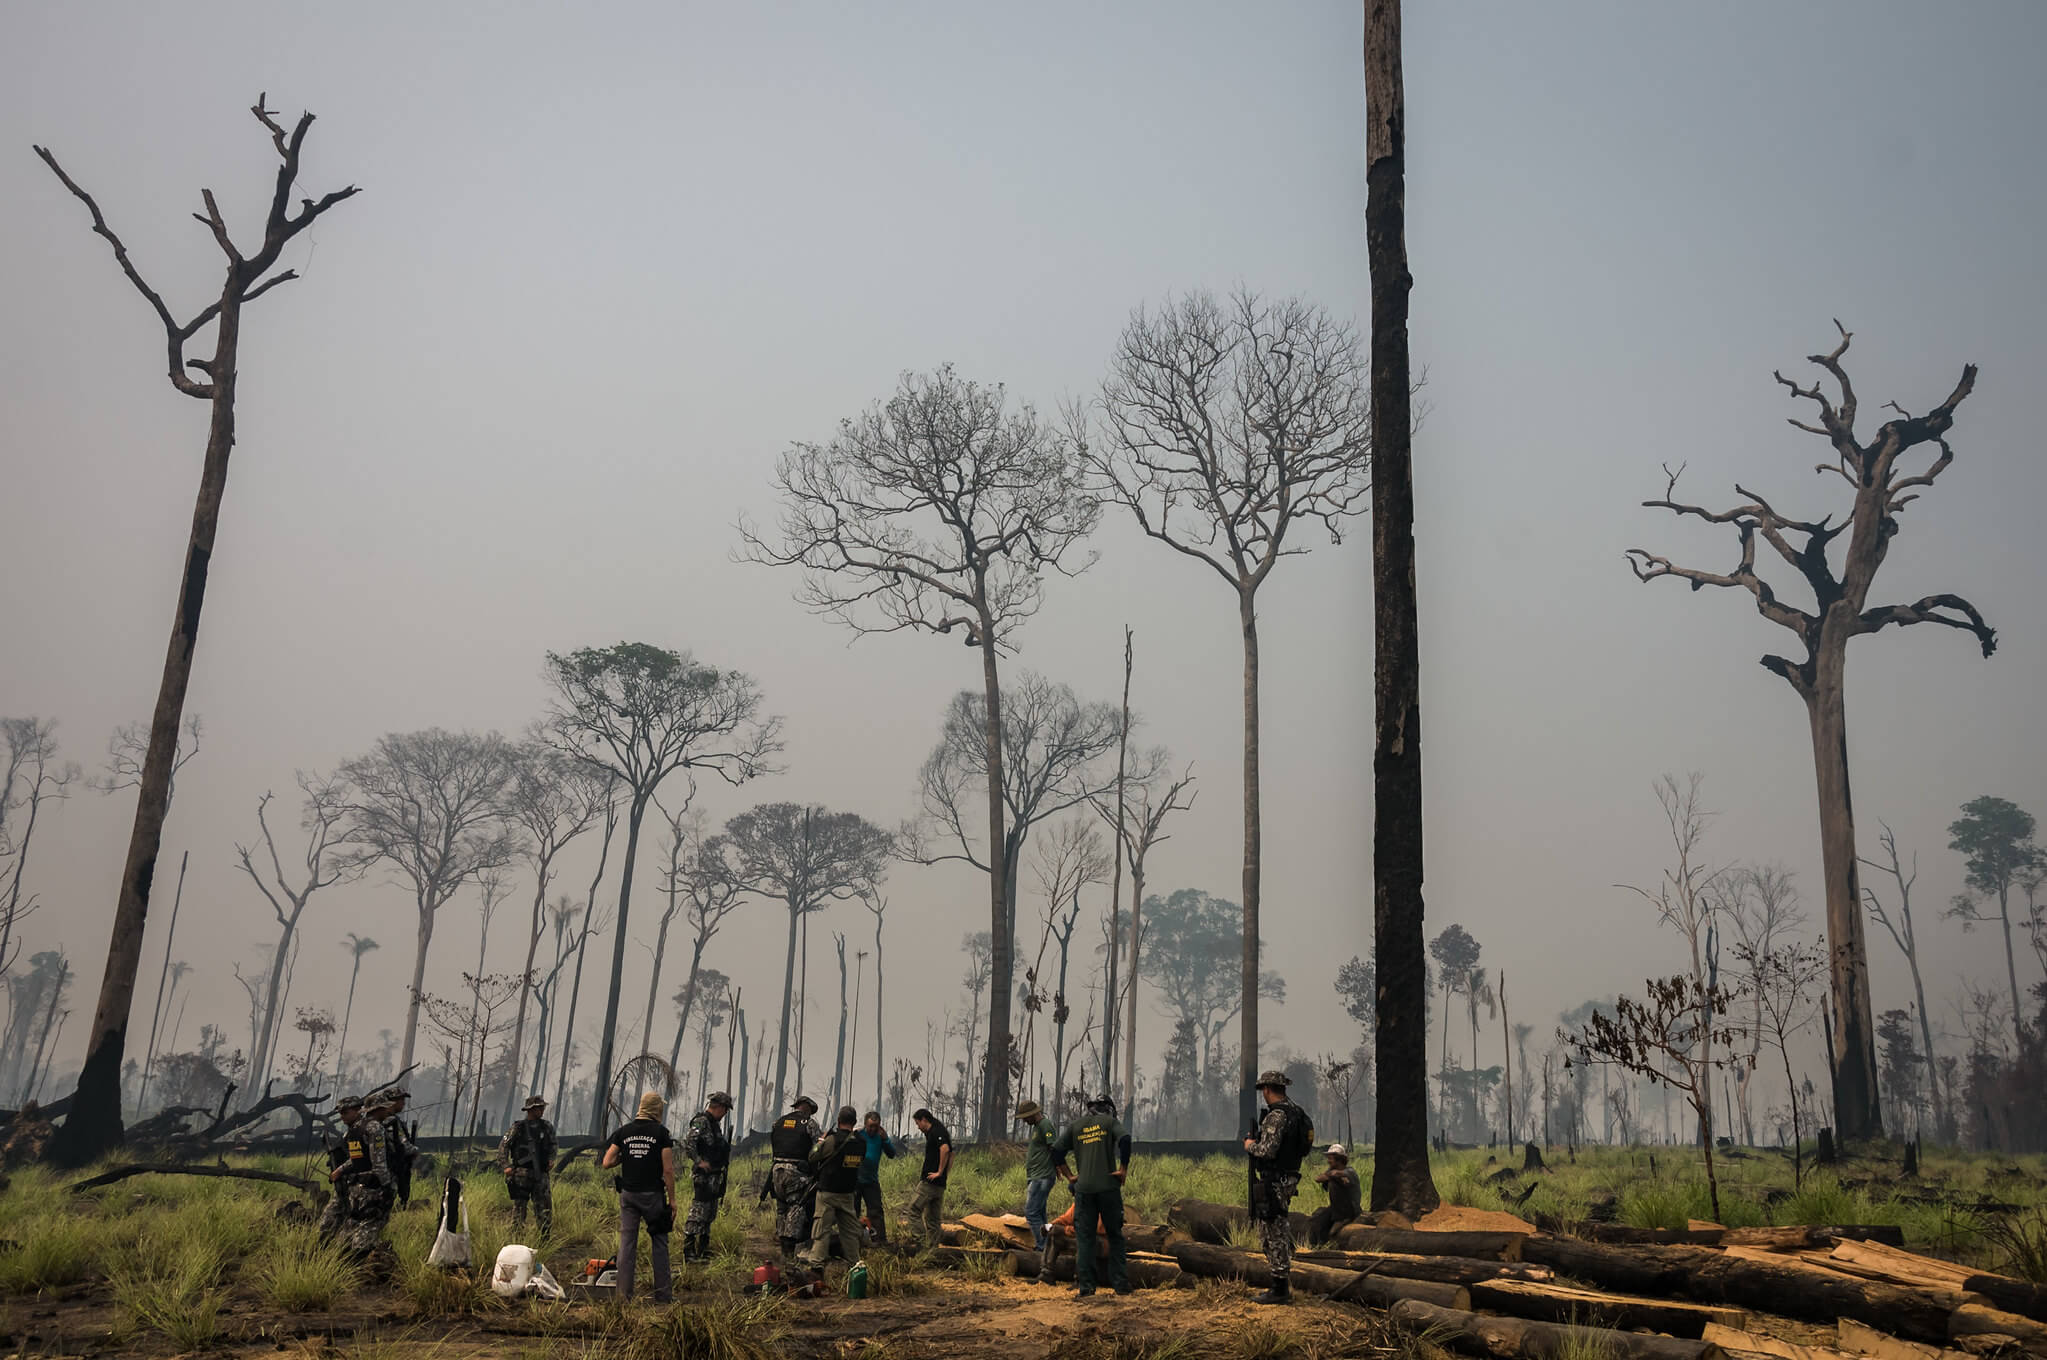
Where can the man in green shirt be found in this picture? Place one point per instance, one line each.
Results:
(1101, 1153)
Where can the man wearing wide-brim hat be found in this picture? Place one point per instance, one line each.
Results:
(526, 1156)
(1282, 1138)
(1038, 1173)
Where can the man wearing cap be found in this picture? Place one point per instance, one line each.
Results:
(1342, 1184)
(387, 1107)
(836, 1161)
(790, 1179)
(644, 1153)
(927, 1206)
(879, 1145)
(526, 1156)
(1277, 1145)
(363, 1187)
(1100, 1149)
(707, 1151)
(1038, 1173)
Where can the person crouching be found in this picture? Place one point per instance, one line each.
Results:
(1342, 1184)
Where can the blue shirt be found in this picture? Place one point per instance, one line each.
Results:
(879, 1145)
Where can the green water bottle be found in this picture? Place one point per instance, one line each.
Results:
(856, 1281)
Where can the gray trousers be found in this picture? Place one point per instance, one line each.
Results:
(634, 1206)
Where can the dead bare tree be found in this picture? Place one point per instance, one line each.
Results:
(1900, 928)
(30, 776)
(1222, 428)
(644, 713)
(1761, 903)
(323, 866)
(705, 877)
(1785, 981)
(1072, 861)
(934, 510)
(806, 858)
(553, 800)
(94, 1124)
(128, 751)
(430, 805)
(1881, 489)
(357, 946)
(1157, 794)
(590, 924)
(877, 906)
(1114, 980)
(671, 886)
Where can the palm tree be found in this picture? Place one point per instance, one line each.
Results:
(357, 946)
(1478, 991)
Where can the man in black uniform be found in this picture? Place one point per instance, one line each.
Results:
(644, 1153)
(363, 1188)
(790, 1179)
(526, 1156)
(707, 1151)
(1283, 1136)
(836, 1159)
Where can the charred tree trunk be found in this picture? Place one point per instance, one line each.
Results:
(1247, 1053)
(1110, 1006)
(602, 1075)
(994, 1119)
(1858, 1112)
(880, 1072)
(839, 1057)
(1400, 1170)
(788, 1000)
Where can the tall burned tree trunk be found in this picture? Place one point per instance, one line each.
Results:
(1247, 1059)
(880, 1061)
(994, 1117)
(1859, 1112)
(1400, 1169)
(602, 1076)
(788, 1001)
(1109, 1005)
(94, 1124)
(839, 1057)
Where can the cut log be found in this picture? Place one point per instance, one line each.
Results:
(1975, 1319)
(1017, 1234)
(122, 1173)
(1620, 1234)
(1786, 1286)
(1136, 1236)
(1739, 1341)
(2012, 1296)
(1806, 1238)
(1904, 1267)
(1490, 1246)
(1523, 1339)
(1205, 1221)
(1002, 1258)
(1147, 1271)
(1859, 1338)
(1562, 1303)
(1380, 1291)
(1444, 1269)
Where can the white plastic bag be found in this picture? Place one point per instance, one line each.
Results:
(451, 1244)
(544, 1286)
(516, 1266)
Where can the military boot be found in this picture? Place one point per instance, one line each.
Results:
(1281, 1292)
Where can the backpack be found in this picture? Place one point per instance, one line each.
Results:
(1298, 1140)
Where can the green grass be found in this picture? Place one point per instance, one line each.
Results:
(301, 1274)
(182, 1301)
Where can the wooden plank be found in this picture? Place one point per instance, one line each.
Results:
(1525, 1339)
(1799, 1238)
(1563, 1303)
(1859, 1338)
(1762, 1343)
(1906, 1266)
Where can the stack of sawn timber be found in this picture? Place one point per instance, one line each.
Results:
(1885, 1303)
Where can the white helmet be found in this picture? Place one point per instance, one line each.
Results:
(1336, 1150)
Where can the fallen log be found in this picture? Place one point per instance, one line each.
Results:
(1562, 1303)
(1825, 1265)
(122, 1173)
(1136, 1236)
(1903, 1267)
(1146, 1271)
(1859, 1338)
(1443, 1269)
(2012, 1296)
(1620, 1234)
(1380, 1291)
(1804, 1238)
(1017, 1234)
(1492, 1246)
(1739, 1341)
(1524, 1339)
(1975, 1319)
(999, 1257)
(1771, 1285)
(1205, 1221)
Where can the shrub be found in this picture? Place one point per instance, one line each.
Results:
(183, 1303)
(56, 1250)
(305, 1275)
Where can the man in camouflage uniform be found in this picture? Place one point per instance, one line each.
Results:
(526, 1156)
(707, 1151)
(1276, 1147)
(387, 1107)
(363, 1186)
(790, 1179)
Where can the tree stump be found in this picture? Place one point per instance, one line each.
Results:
(1825, 1155)
(1531, 1159)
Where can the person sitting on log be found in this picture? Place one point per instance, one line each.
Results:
(1342, 1184)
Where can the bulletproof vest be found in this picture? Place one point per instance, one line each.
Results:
(394, 1144)
(840, 1175)
(1294, 1140)
(355, 1146)
(791, 1139)
(714, 1147)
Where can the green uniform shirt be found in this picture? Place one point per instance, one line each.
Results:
(1091, 1142)
(1038, 1153)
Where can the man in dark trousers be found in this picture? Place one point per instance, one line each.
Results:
(927, 1206)
(1282, 1138)
(708, 1151)
(644, 1153)
(526, 1156)
(1100, 1149)
(789, 1179)
(879, 1145)
(1342, 1184)
(1038, 1174)
(836, 1160)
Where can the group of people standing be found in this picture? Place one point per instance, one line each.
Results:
(370, 1168)
(826, 1183)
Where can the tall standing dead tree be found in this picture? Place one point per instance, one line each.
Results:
(94, 1124)
(1144, 802)
(934, 510)
(1881, 489)
(702, 873)
(30, 776)
(643, 713)
(1223, 428)
(1400, 1170)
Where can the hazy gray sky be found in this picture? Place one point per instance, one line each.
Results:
(609, 260)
